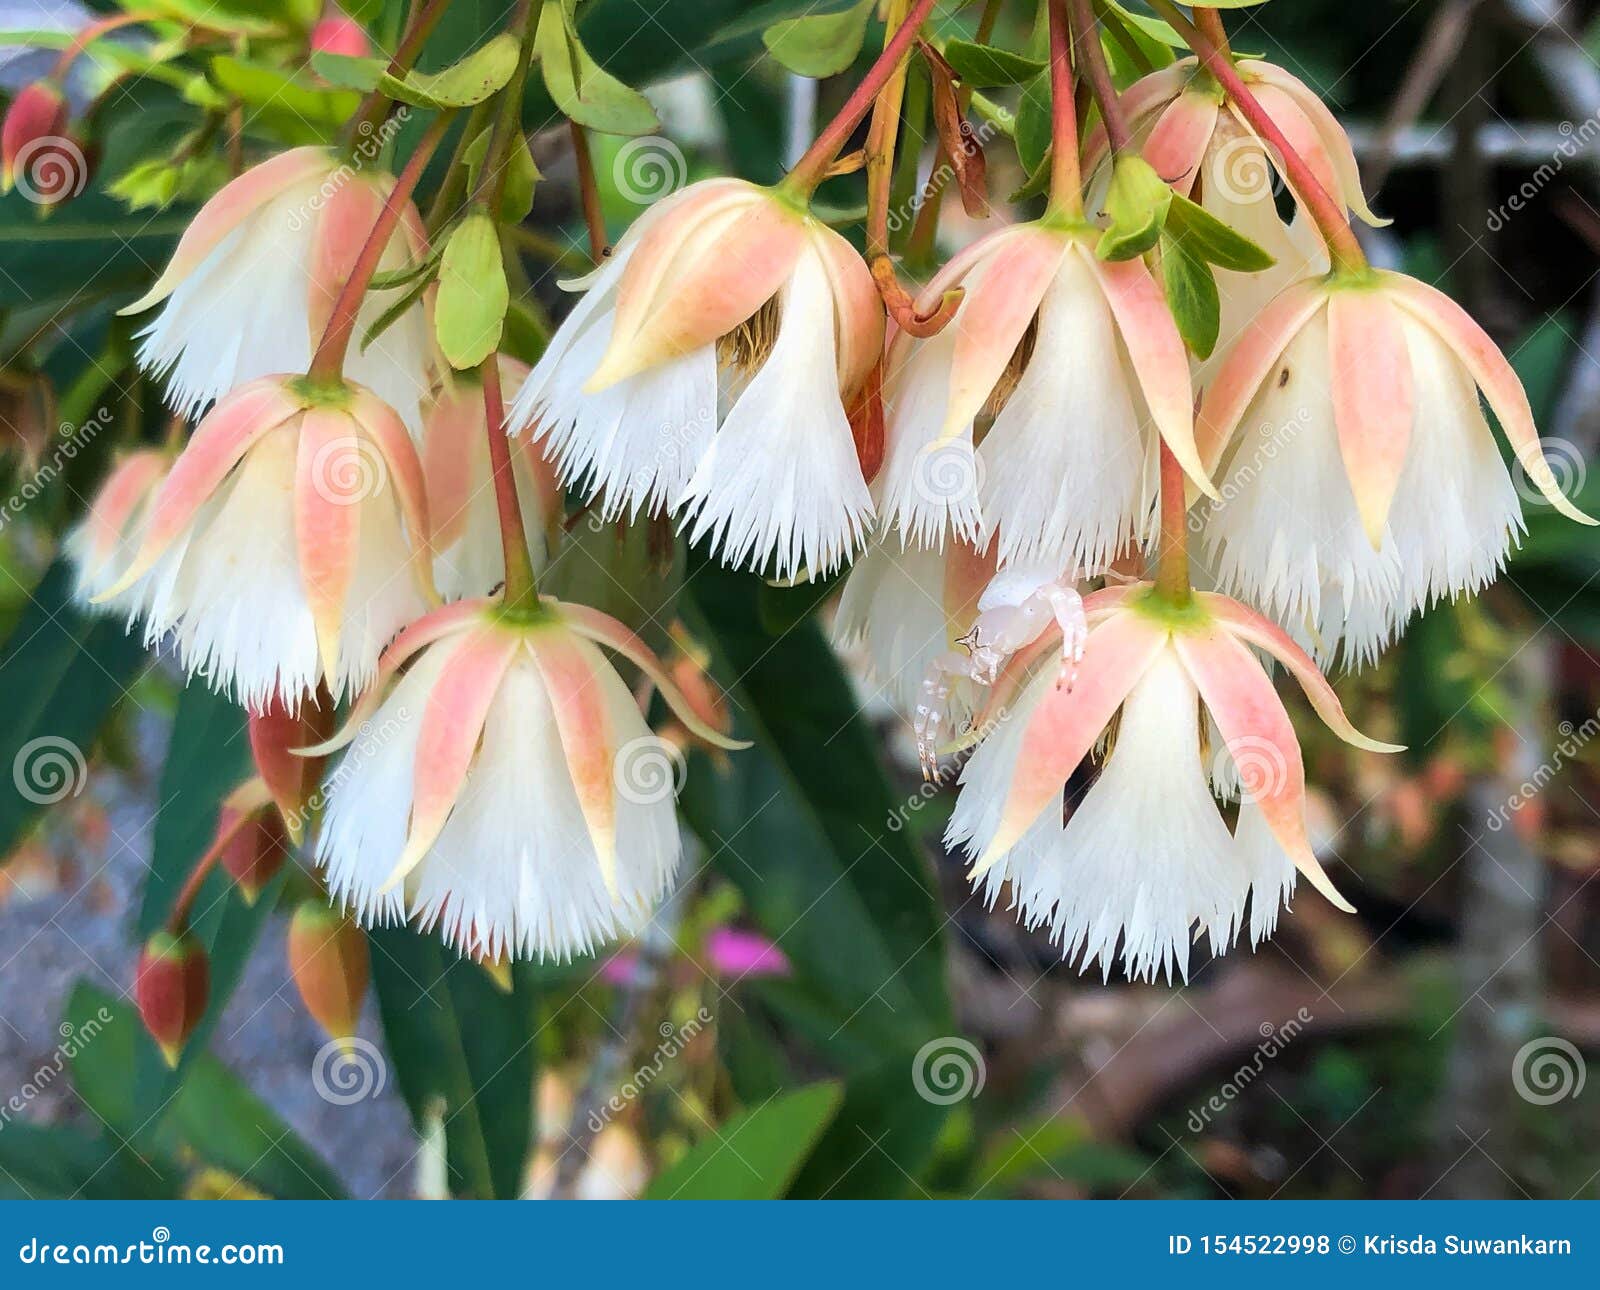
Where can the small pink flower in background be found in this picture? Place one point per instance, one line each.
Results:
(1077, 365)
(468, 559)
(105, 541)
(37, 116)
(490, 792)
(338, 33)
(254, 278)
(1145, 860)
(745, 954)
(722, 286)
(287, 543)
(1370, 483)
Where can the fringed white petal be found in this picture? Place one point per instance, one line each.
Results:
(927, 489)
(1071, 458)
(1271, 872)
(1286, 536)
(781, 484)
(1145, 861)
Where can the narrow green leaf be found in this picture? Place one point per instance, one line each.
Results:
(1191, 295)
(470, 311)
(62, 1163)
(1136, 205)
(301, 111)
(580, 87)
(819, 45)
(1033, 122)
(521, 177)
(756, 1154)
(1205, 236)
(984, 66)
(483, 72)
(63, 674)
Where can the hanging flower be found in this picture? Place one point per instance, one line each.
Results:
(494, 794)
(1146, 857)
(253, 282)
(287, 544)
(1360, 480)
(1063, 369)
(725, 286)
(105, 541)
(468, 559)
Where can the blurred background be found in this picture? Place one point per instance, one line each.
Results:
(824, 1009)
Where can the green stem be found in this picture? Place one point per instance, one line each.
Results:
(1326, 213)
(812, 168)
(327, 363)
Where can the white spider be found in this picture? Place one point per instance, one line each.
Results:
(1015, 609)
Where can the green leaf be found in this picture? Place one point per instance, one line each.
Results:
(805, 825)
(581, 88)
(983, 66)
(1207, 238)
(1033, 123)
(483, 72)
(461, 1050)
(819, 45)
(1136, 205)
(300, 111)
(470, 311)
(63, 674)
(756, 1154)
(1155, 30)
(62, 1163)
(521, 176)
(1191, 296)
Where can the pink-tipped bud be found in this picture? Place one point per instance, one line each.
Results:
(276, 737)
(37, 114)
(171, 986)
(328, 960)
(339, 33)
(257, 849)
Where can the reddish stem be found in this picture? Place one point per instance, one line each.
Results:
(375, 107)
(1066, 175)
(1172, 558)
(1091, 62)
(812, 168)
(521, 590)
(327, 364)
(1327, 213)
(589, 192)
(202, 869)
(89, 35)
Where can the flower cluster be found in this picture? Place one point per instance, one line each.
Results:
(1014, 458)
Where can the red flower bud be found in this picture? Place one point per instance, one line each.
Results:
(329, 963)
(35, 122)
(257, 849)
(275, 738)
(340, 34)
(171, 987)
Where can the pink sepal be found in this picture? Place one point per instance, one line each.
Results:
(112, 510)
(388, 433)
(567, 662)
(1494, 375)
(327, 520)
(1156, 351)
(858, 308)
(1260, 738)
(452, 723)
(1251, 628)
(228, 431)
(233, 204)
(1177, 144)
(1302, 137)
(1248, 363)
(1146, 95)
(1373, 400)
(1067, 722)
(341, 230)
(606, 630)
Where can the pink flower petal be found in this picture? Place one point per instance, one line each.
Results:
(1251, 628)
(1177, 145)
(327, 520)
(1260, 738)
(1159, 359)
(404, 473)
(1065, 725)
(1373, 400)
(858, 309)
(234, 203)
(452, 723)
(1249, 362)
(1494, 375)
(113, 507)
(578, 700)
(1302, 137)
(342, 228)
